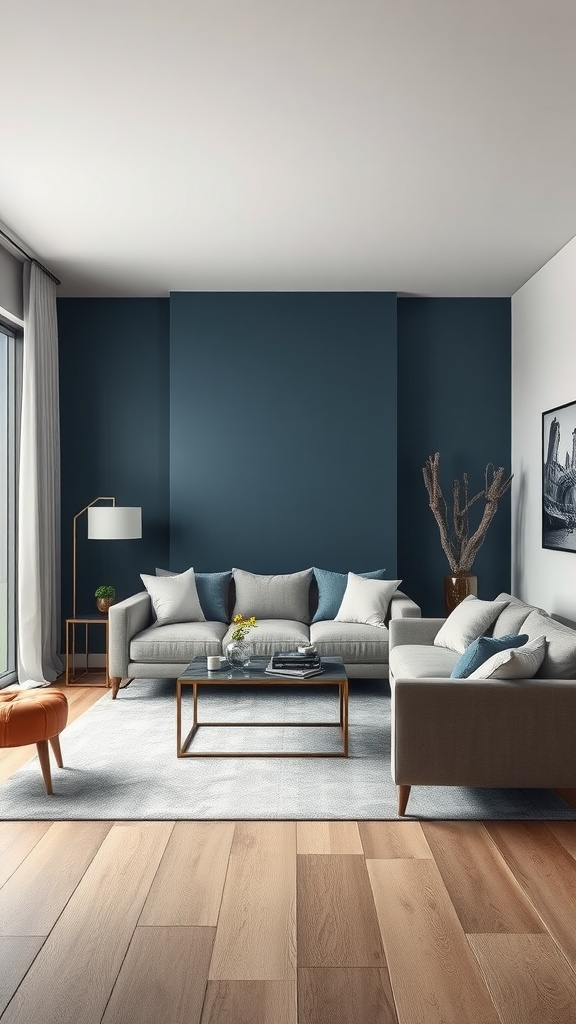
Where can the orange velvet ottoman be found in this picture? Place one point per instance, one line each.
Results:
(31, 717)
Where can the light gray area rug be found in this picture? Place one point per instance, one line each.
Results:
(121, 763)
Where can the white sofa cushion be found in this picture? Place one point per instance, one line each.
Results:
(213, 593)
(272, 635)
(422, 661)
(469, 620)
(273, 597)
(366, 601)
(177, 642)
(355, 642)
(174, 598)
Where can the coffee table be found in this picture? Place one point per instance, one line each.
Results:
(197, 675)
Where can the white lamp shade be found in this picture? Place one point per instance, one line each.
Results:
(114, 522)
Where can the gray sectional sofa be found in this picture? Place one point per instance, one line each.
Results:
(482, 732)
(139, 648)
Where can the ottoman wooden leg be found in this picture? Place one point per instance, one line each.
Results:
(55, 744)
(44, 758)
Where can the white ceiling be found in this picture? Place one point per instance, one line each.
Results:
(420, 146)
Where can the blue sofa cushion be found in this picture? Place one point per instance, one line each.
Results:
(331, 590)
(483, 648)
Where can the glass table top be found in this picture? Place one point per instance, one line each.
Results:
(254, 671)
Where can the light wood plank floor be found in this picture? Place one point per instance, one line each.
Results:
(285, 922)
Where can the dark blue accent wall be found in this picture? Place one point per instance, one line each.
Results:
(274, 431)
(454, 397)
(114, 397)
(283, 431)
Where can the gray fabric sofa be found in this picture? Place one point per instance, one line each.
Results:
(141, 649)
(474, 732)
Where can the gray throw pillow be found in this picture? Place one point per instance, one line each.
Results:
(560, 658)
(273, 597)
(512, 617)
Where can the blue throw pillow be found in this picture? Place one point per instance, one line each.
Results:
(331, 590)
(483, 648)
(212, 590)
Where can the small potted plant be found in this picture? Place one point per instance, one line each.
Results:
(105, 596)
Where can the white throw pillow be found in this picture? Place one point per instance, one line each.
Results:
(515, 663)
(174, 598)
(366, 600)
(467, 622)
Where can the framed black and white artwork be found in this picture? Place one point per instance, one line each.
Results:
(559, 478)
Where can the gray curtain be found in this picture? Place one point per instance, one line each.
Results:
(38, 565)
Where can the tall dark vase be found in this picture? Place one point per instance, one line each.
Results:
(456, 588)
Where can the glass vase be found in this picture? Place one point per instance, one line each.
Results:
(238, 653)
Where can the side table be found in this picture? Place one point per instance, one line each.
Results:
(83, 620)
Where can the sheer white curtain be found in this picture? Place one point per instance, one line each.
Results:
(38, 624)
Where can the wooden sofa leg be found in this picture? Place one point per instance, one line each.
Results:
(403, 795)
(115, 684)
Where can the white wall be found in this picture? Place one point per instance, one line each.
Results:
(543, 377)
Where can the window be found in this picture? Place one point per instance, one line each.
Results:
(7, 508)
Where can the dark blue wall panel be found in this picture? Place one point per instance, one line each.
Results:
(454, 397)
(114, 394)
(273, 431)
(283, 431)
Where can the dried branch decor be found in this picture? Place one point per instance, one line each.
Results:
(458, 545)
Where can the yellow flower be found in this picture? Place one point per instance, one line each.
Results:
(242, 626)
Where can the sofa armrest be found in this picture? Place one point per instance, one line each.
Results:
(125, 620)
(414, 631)
(403, 607)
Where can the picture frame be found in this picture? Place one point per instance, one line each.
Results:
(559, 478)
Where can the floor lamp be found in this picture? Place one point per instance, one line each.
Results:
(106, 522)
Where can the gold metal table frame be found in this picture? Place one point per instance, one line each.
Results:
(195, 679)
(71, 679)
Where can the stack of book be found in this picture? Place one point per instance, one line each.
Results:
(294, 663)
